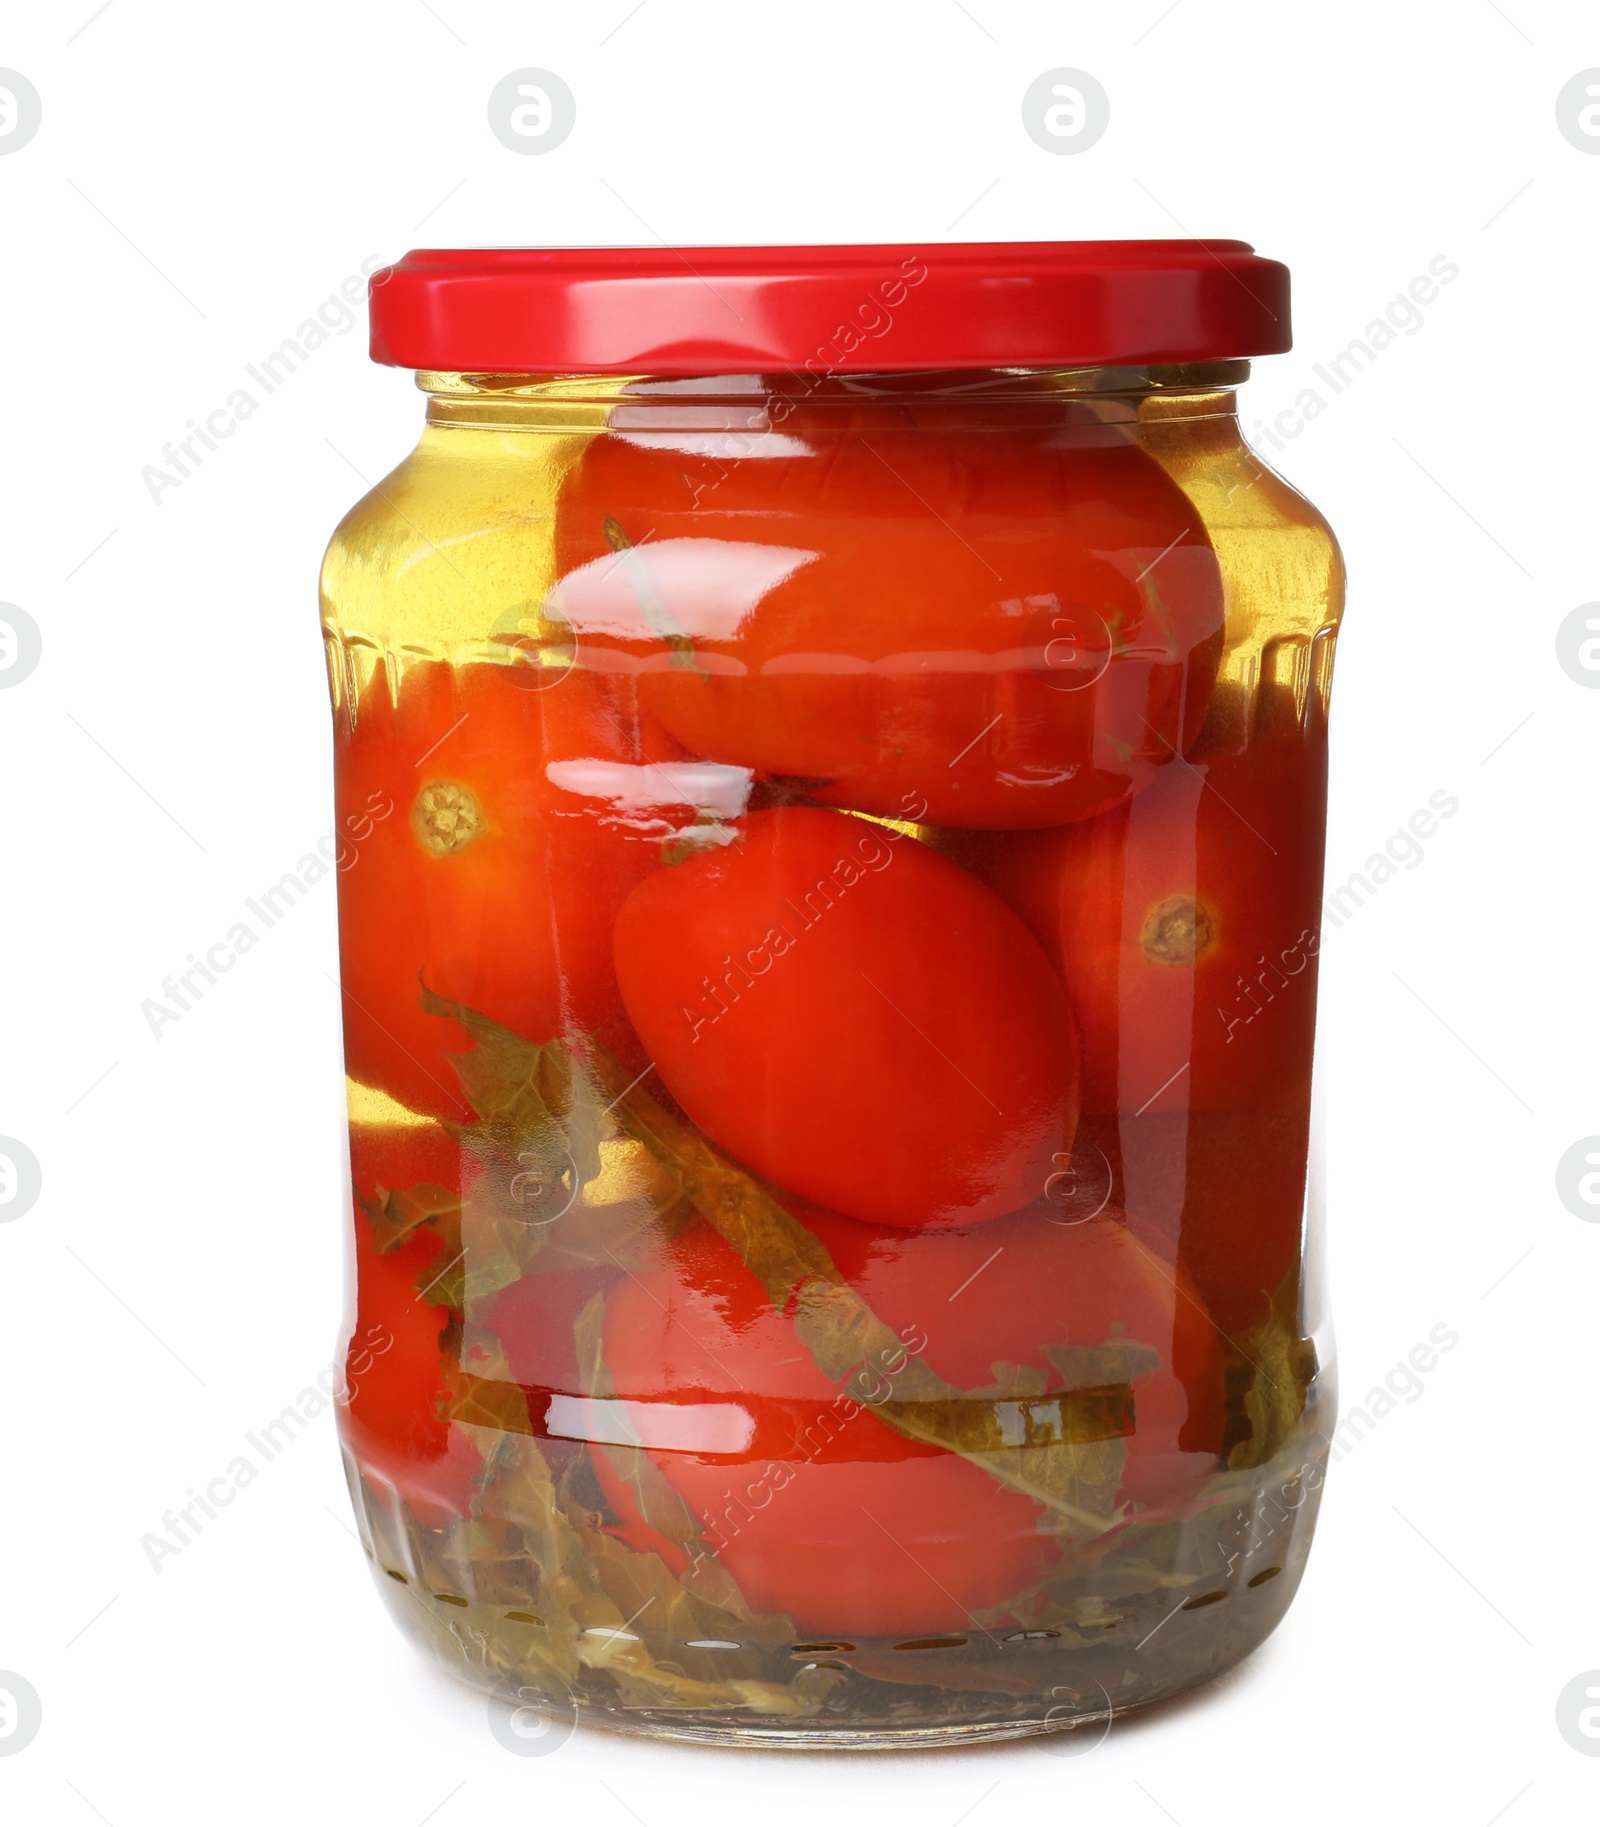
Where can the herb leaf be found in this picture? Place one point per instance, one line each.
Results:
(563, 1099)
(1280, 1367)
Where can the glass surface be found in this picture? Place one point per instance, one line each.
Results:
(829, 909)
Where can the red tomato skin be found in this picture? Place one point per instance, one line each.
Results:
(514, 923)
(1238, 837)
(865, 1531)
(392, 1406)
(969, 620)
(535, 1320)
(394, 1379)
(1226, 1187)
(1000, 1292)
(855, 1018)
(866, 1534)
(1244, 1205)
(393, 1157)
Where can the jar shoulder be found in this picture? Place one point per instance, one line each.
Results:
(452, 553)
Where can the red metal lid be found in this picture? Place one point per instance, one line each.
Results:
(855, 310)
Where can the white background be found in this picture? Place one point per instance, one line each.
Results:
(204, 176)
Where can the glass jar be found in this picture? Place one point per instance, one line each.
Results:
(829, 916)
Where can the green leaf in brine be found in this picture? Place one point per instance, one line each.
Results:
(397, 1217)
(601, 1607)
(1062, 1451)
(543, 1138)
(720, 1609)
(608, 1609)
(1278, 1370)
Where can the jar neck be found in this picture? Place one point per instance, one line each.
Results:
(765, 401)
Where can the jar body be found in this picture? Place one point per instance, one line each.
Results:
(829, 950)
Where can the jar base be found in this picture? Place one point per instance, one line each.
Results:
(1069, 1681)
(1088, 1729)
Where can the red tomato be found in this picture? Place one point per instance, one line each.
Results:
(393, 1370)
(1007, 624)
(1003, 1291)
(535, 1320)
(1186, 924)
(1227, 1187)
(392, 1157)
(836, 1520)
(815, 1506)
(855, 1018)
(488, 833)
(1244, 1204)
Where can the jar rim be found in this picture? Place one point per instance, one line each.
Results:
(948, 386)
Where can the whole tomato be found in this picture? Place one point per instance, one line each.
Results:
(489, 831)
(1012, 617)
(1186, 925)
(820, 1509)
(854, 1017)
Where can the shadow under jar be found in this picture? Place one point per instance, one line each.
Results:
(830, 754)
